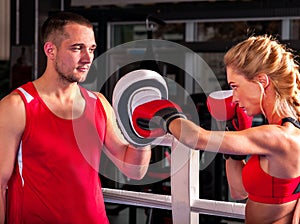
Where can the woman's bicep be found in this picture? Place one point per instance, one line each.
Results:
(262, 140)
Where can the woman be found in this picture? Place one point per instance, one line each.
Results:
(265, 80)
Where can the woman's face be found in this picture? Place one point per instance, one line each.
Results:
(246, 93)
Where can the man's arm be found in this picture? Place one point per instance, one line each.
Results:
(2, 205)
(12, 123)
(132, 161)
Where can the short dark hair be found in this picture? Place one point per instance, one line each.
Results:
(55, 24)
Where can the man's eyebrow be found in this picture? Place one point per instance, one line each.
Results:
(81, 45)
(77, 44)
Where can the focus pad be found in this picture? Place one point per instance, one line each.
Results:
(133, 89)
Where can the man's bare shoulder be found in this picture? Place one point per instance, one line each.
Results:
(12, 105)
(12, 100)
(100, 95)
(103, 99)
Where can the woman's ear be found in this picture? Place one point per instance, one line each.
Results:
(263, 79)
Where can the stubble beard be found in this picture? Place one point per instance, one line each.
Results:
(68, 78)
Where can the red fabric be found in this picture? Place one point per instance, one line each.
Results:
(262, 187)
(56, 177)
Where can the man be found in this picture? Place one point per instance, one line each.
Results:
(52, 132)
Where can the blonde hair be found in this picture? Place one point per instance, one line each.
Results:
(264, 54)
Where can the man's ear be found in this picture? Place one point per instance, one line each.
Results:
(263, 78)
(49, 49)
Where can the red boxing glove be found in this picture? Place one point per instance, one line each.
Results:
(152, 119)
(241, 120)
(220, 106)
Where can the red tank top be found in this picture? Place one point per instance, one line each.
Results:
(55, 179)
(264, 188)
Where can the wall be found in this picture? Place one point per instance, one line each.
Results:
(4, 30)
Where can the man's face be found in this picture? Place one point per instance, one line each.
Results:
(76, 53)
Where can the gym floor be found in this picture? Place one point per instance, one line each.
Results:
(126, 215)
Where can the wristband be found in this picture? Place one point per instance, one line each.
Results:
(171, 118)
(234, 157)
